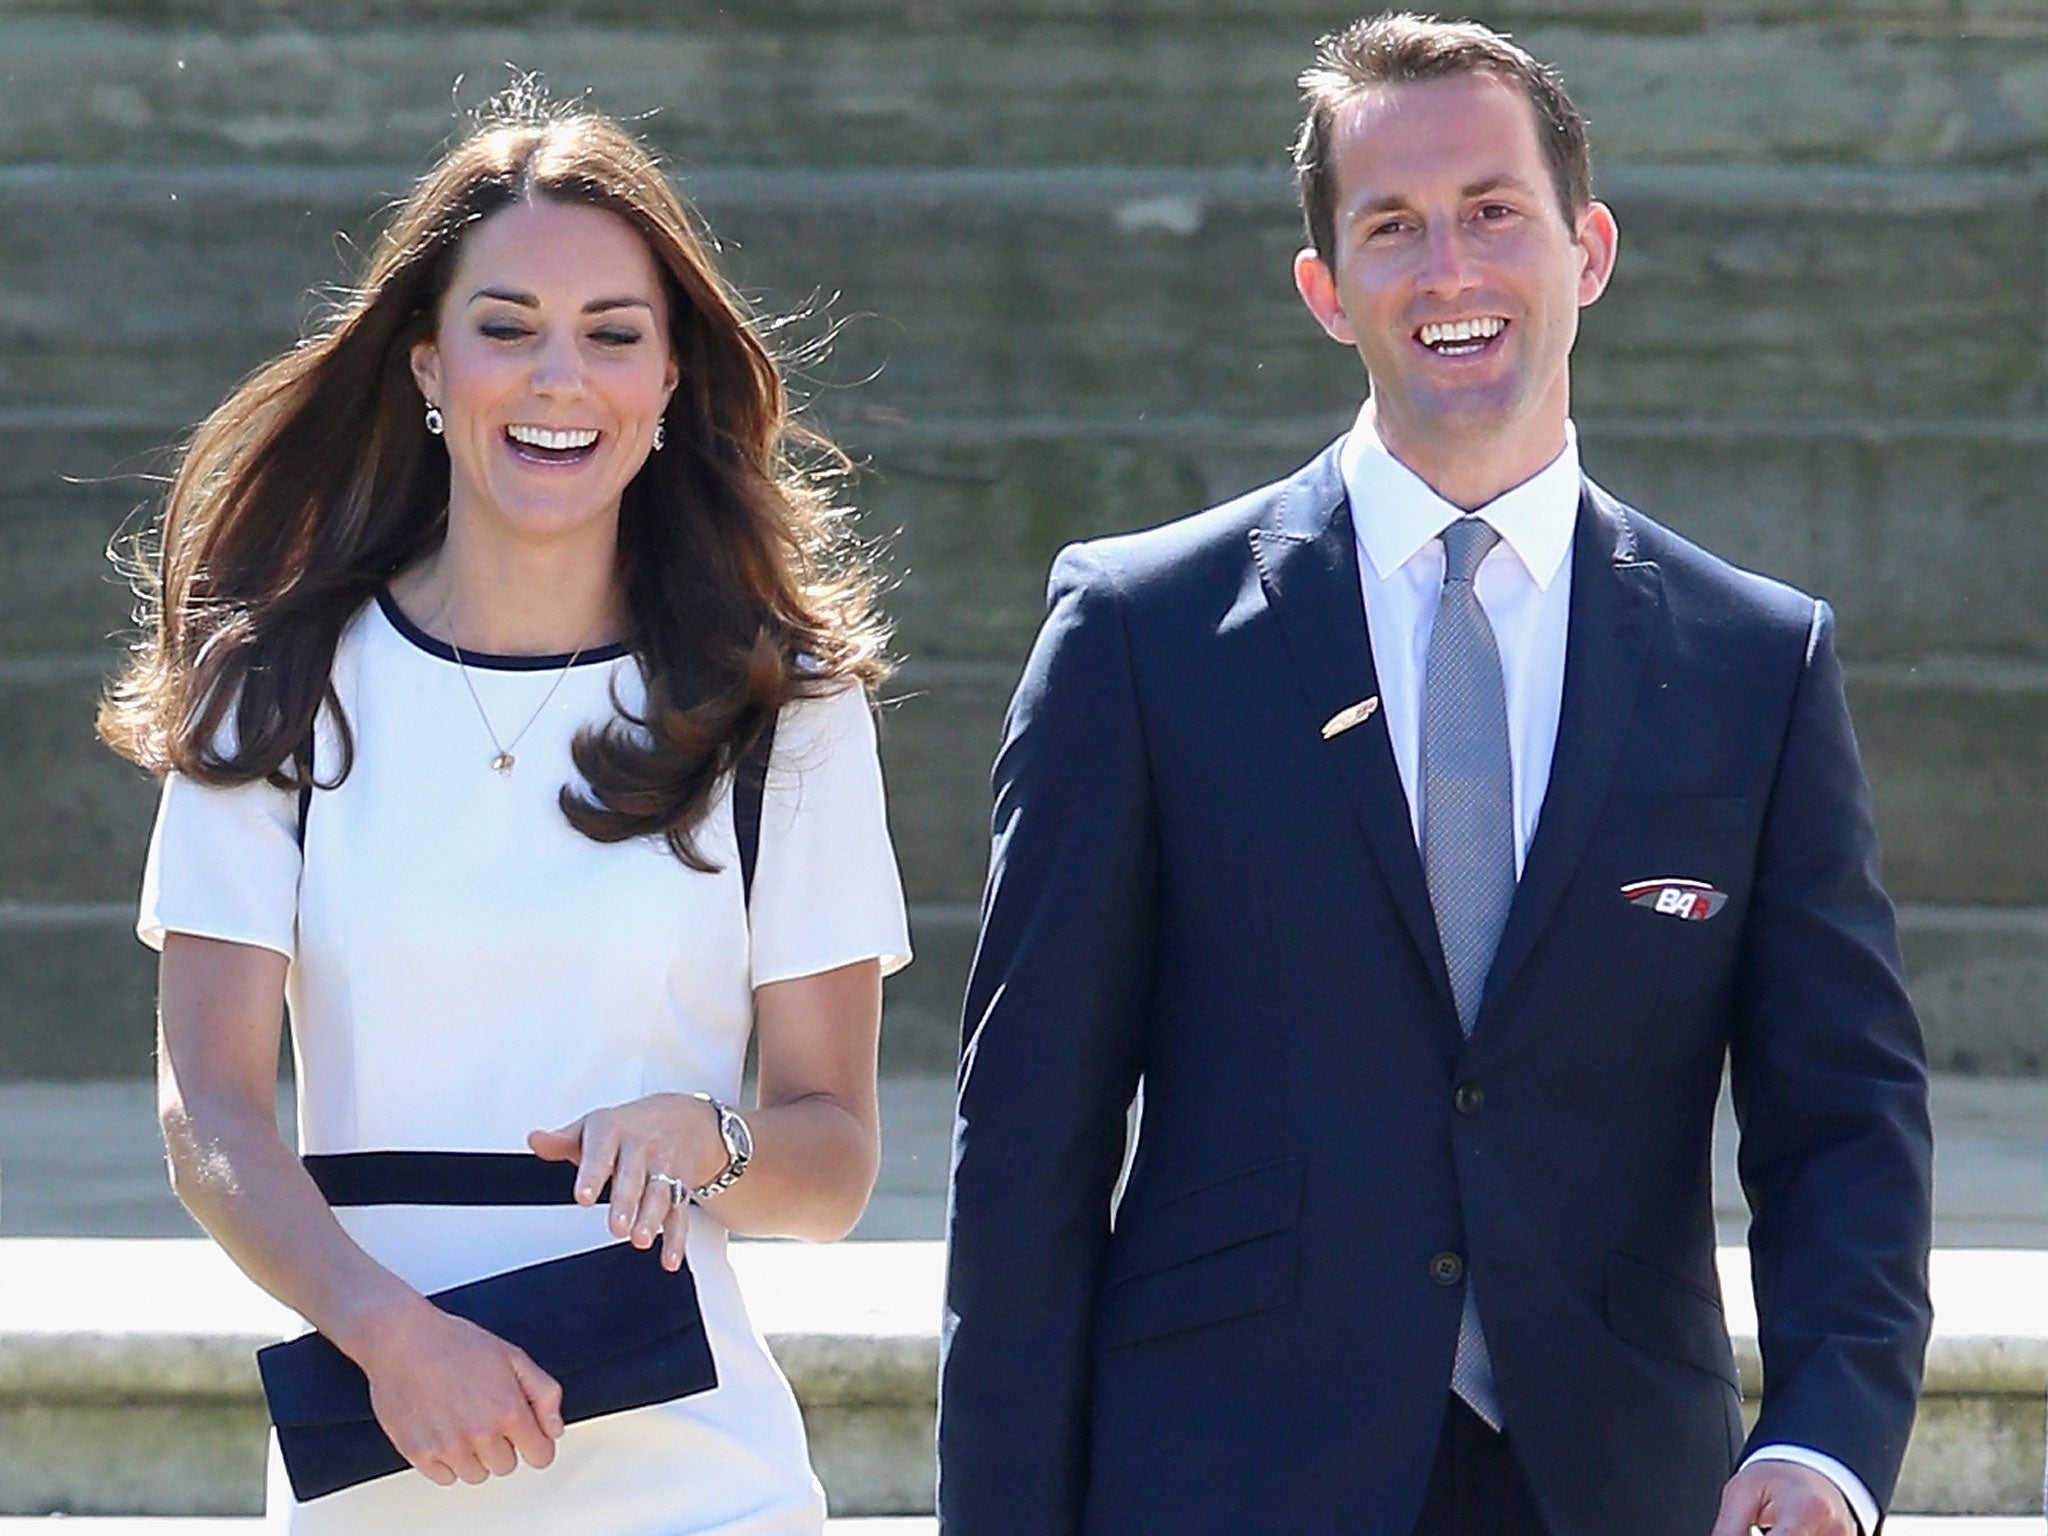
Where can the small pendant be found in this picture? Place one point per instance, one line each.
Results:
(502, 765)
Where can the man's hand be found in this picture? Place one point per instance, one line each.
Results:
(1785, 1499)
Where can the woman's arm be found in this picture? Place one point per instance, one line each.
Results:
(816, 1127)
(456, 1401)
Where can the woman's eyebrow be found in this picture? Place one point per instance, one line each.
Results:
(528, 301)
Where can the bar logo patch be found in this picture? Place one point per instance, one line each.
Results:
(1693, 901)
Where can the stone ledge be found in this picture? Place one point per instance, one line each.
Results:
(84, 993)
(126, 1318)
(1923, 533)
(862, 83)
(2010, 18)
(152, 1343)
(163, 1331)
(1017, 292)
(1955, 750)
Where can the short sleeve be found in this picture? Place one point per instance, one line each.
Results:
(826, 888)
(223, 864)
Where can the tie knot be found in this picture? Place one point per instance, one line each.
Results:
(1465, 544)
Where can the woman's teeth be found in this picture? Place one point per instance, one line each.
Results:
(553, 441)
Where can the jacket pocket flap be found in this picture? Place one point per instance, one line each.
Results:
(1239, 1281)
(1666, 1316)
(1207, 1220)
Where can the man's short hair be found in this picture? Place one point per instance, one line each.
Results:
(1404, 49)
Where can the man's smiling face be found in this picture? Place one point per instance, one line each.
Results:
(1457, 274)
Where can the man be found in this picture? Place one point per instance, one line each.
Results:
(1424, 833)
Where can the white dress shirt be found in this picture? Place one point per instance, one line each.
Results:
(1524, 585)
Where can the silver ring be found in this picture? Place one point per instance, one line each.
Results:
(676, 1188)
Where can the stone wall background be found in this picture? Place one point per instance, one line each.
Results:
(1056, 233)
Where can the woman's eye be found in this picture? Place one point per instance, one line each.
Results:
(616, 338)
(503, 330)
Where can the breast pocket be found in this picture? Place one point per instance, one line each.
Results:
(1675, 814)
(1681, 862)
(1228, 1249)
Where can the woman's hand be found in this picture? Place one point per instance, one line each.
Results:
(638, 1147)
(457, 1402)
(815, 1127)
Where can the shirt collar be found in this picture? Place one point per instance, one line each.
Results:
(1395, 513)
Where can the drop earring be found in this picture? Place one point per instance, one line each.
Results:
(660, 435)
(436, 423)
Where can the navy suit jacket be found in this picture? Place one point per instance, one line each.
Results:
(1191, 887)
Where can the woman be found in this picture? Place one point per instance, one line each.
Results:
(463, 616)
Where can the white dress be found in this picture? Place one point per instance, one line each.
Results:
(466, 967)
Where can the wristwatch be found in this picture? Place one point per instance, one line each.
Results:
(739, 1148)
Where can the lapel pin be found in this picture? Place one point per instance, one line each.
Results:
(1350, 715)
(1693, 901)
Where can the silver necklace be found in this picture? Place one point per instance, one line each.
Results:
(503, 762)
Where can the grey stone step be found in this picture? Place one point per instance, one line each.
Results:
(1924, 535)
(1956, 752)
(982, 82)
(1933, 17)
(146, 1346)
(72, 813)
(869, 1525)
(80, 998)
(885, 1525)
(252, 1525)
(74, 819)
(1957, 755)
(1980, 983)
(1096, 292)
(85, 1159)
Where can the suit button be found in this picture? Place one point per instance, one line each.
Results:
(1467, 1099)
(1447, 1269)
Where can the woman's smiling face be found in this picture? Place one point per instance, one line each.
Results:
(551, 365)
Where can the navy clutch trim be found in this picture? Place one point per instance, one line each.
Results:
(613, 1326)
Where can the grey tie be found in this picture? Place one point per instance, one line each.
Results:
(1468, 836)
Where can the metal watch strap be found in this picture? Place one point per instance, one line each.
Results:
(736, 1156)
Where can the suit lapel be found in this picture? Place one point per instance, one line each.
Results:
(1307, 559)
(1615, 597)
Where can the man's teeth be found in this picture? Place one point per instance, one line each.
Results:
(1445, 333)
(558, 442)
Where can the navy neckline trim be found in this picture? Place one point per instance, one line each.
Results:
(489, 660)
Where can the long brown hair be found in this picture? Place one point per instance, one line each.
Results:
(316, 481)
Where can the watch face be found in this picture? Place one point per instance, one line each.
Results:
(739, 1140)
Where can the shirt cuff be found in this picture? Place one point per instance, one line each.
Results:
(1861, 1504)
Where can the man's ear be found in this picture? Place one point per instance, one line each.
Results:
(1599, 241)
(426, 370)
(1317, 285)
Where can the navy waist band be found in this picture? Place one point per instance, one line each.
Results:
(441, 1178)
